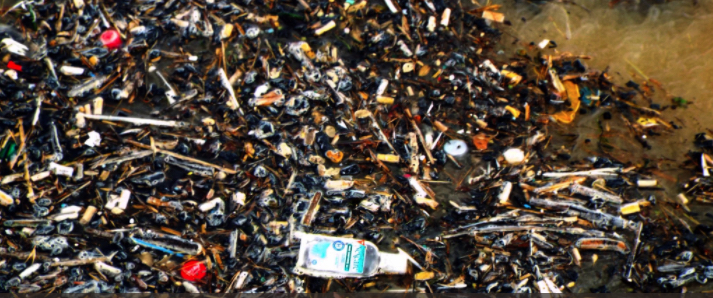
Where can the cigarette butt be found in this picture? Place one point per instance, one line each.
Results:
(98, 103)
(385, 100)
(440, 126)
(630, 208)
(682, 199)
(325, 28)
(88, 214)
(646, 183)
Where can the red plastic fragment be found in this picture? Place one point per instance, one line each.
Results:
(193, 270)
(15, 66)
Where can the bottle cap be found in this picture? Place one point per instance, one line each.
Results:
(193, 270)
(111, 39)
(393, 263)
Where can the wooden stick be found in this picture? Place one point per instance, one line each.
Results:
(186, 158)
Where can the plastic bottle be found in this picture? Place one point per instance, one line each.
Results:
(337, 257)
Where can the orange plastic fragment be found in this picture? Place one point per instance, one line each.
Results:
(481, 141)
(567, 117)
(335, 155)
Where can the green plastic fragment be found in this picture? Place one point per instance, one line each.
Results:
(679, 101)
(9, 150)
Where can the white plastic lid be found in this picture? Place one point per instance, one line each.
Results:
(393, 263)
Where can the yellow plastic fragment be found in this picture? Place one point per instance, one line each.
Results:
(513, 76)
(308, 50)
(424, 275)
(567, 117)
(515, 112)
(630, 208)
(392, 158)
(647, 122)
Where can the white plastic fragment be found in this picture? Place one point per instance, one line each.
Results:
(543, 43)
(542, 287)
(514, 156)
(106, 269)
(233, 102)
(209, 205)
(13, 46)
(11, 73)
(133, 120)
(30, 270)
(78, 4)
(382, 87)
(239, 198)
(61, 170)
(391, 6)
(505, 191)
(552, 286)
(445, 17)
(71, 70)
(94, 139)
(67, 213)
(456, 147)
(190, 288)
(490, 66)
(431, 24)
(704, 166)
(404, 48)
(36, 117)
(121, 201)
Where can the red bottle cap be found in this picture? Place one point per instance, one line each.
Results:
(193, 270)
(15, 66)
(111, 39)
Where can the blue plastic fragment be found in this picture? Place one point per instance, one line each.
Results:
(156, 247)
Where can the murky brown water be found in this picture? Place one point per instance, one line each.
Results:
(668, 41)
